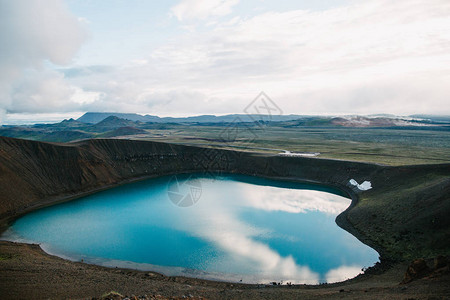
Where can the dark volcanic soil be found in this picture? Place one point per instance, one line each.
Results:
(404, 217)
(29, 273)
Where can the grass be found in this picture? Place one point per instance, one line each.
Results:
(406, 214)
(4, 256)
(388, 146)
(375, 145)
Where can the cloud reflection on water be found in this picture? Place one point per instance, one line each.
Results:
(342, 273)
(293, 201)
(237, 230)
(216, 218)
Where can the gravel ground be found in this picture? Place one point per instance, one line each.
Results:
(27, 272)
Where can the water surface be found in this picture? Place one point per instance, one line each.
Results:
(238, 228)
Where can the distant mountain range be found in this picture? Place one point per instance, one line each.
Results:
(114, 125)
(376, 120)
(94, 117)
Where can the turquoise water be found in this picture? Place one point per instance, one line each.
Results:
(229, 228)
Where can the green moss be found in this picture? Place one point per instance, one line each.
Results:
(4, 256)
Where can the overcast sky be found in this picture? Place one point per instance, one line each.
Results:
(188, 57)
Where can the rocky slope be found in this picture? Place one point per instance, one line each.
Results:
(402, 217)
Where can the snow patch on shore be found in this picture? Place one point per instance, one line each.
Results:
(304, 154)
(366, 185)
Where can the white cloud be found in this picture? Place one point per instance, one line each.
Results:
(187, 10)
(40, 91)
(47, 91)
(366, 57)
(32, 32)
(2, 114)
(371, 57)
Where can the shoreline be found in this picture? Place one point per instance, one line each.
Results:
(359, 277)
(76, 170)
(38, 275)
(6, 222)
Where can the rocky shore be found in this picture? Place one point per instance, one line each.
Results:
(404, 217)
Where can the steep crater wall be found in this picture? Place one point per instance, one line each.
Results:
(406, 205)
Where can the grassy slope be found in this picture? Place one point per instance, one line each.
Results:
(406, 213)
(389, 146)
(376, 145)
